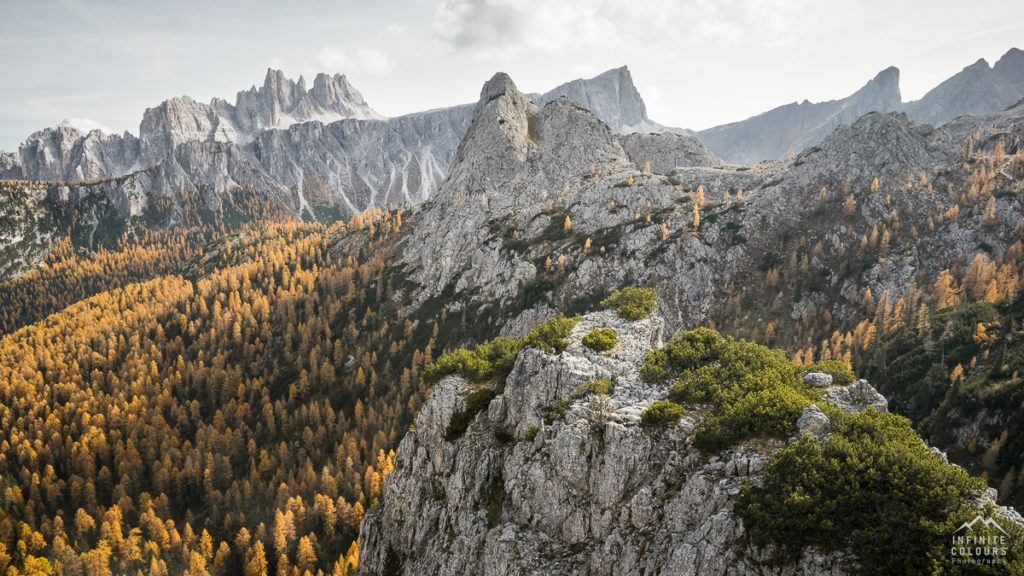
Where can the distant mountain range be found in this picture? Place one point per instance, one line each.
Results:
(323, 152)
(786, 130)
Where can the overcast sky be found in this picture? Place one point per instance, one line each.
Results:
(697, 63)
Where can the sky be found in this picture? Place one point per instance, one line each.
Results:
(696, 63)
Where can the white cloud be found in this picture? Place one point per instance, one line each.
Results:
(85, 125)
(510, 26)
(369, 61)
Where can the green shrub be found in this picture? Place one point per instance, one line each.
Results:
(655, 367)
(632, 303)
(551, 335)
(601, 339)
(753, 391)
(684, 352)
(527, 435)
(840, 372)
(872, 486)
(556, 411)
(484, 363)
(770, 412)
(476, 402)
(600, 387)
(661, 414)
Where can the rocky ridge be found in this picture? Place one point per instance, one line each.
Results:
(494, 238)
(789, 129)
(589, 493)
(977, 89)
(322, 152)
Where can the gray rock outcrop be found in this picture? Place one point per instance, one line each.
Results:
(665, 151)
(856, 397)
(818, 379)
(588, 494)
(814, 422)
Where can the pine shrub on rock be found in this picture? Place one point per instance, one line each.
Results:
(601, 339)
(661, 414)
(632, 303)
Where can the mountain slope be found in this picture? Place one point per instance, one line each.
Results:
(789, 129)
(817, 255)
(977, 89)
(564, 469)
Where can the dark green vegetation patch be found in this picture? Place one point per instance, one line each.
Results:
(601, 339)
(632, 303)
(476, 402)
(661, 414)
(872, 486)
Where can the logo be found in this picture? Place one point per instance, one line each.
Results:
(981, 541)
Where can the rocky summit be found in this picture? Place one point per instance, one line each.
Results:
(587, 489)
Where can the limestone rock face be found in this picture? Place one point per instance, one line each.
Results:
(856, 397)
(611, 96)
(63, 153)
(1011, 68)
(325, 142)
(666, 151)
(513, 158)
(818, 379)
(591, 493)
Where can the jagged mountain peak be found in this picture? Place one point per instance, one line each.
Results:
(1011, 67)
(500, 84)
(886, 79)
(980, 64)
(976, 89)
(789, 129)
(611, 96)
(510, 135)
(880, 94)
(515, 158)
(498, 132)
